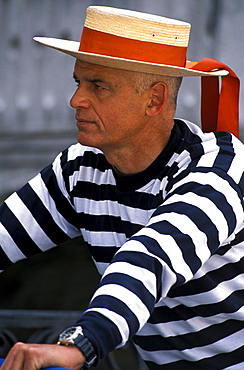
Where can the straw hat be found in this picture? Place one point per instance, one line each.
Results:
(132, 40)
(136, 41)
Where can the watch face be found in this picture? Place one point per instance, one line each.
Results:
(70, 333)
(68, 338)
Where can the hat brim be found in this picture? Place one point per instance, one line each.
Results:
(72, 48)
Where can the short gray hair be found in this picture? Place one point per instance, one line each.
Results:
(141, 81)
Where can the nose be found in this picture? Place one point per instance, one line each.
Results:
(79, 99)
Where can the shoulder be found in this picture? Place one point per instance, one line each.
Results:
(76, 163)
(218, 153)
(213, 149)
(77, 156)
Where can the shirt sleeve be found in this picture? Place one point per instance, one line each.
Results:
(202, 211)
(37, 217)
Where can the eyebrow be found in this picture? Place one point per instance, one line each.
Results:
(90, 79)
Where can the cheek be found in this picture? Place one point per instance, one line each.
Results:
(124, 114)
(113, 116)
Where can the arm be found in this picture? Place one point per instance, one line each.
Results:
(37, 217)
(39, 356)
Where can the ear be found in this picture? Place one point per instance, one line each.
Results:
(158, 96)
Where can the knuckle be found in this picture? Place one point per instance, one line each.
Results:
(25, 348)
(18, 346)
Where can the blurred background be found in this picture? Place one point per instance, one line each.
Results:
(36, 121)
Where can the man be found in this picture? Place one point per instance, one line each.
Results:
(159, 202)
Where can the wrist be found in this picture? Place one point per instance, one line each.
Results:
(74, 336)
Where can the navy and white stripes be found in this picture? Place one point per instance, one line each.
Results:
(174, 235)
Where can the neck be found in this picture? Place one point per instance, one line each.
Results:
(138, 157)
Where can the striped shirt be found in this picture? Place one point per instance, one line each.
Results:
(168, 242)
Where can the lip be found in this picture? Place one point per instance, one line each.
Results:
(83, 122)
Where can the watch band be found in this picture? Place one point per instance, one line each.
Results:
(87, 349)
(74, 337)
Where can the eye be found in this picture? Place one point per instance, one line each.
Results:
(98, 87)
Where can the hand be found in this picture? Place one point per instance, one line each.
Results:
(37, 356)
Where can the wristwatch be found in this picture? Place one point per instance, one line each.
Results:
(74, 337)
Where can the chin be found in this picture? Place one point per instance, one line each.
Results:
(85, 141)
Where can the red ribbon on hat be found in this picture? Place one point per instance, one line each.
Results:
(97, 42)
(219, 109)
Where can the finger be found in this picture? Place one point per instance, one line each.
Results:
(15, 358)
(37, 356)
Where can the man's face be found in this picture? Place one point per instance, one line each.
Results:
(110, 114)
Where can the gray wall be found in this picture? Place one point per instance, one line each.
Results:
(36, 82)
